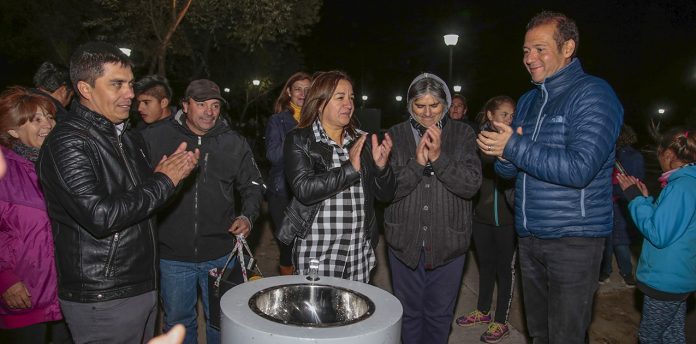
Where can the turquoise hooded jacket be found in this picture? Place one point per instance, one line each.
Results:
(668, 260)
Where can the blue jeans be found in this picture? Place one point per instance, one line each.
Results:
(180, 282)
(559, 279)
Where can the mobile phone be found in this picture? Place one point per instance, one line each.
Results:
(620, 168)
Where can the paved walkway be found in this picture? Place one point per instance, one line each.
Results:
(266, 253)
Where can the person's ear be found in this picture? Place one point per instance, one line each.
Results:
(568, 48)
(184, 106)
(13, 133)
(289, 92)
(164, 103)
(84, 89)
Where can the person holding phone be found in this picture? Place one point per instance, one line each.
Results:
(494, 234)
(629, 161)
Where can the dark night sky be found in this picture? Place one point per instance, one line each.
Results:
(645, 49)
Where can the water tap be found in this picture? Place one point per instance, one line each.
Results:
(313, 270)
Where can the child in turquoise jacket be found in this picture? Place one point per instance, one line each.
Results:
(666, 270)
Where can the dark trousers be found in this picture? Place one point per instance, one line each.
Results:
(495, 251)
(623, 258)
(32, 334)
(128, 320)
(57, 334)
(276, 206)
(559, 279)
(428, 298)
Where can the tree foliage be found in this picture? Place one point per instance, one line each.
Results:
(158, 28)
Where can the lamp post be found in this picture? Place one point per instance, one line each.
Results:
(399, 98)
(660, 114)
(457, 88)
(450, 41)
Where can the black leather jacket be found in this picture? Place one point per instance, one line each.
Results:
(307, 168)
(101, 195)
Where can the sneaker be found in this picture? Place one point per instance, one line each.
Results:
(630, 281)
(603, 278)
(495, 333)
(474, 318)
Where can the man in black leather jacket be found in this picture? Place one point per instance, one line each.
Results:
(101, 194)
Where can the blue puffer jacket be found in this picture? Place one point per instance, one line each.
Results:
(668, 260)
(564, 158)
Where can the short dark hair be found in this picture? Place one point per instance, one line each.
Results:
(51, 77)
(627, 136)
(88, 60)
(460, 97)
(566, 29)
(155, 86)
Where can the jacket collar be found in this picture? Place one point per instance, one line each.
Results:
(563, 79)
(96, 119)
(179, 120)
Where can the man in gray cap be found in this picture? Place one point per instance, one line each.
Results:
(198, 227)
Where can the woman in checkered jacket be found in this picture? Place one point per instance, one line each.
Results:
(335, 171)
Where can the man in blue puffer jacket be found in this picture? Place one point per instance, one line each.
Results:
(562, 155)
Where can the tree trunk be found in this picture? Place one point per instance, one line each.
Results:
(161, 55)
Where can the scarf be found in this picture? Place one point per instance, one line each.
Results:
(296, 110)
(421, 129)
(26, 152)
(664, 178)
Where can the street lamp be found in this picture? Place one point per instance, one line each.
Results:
(457, 88)
(226, 89)
(450, 41)
(125, 51)
(399, 98)
(256, 82)
(660, 114)
(364, 98)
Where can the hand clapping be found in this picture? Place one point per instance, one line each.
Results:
(380, 152)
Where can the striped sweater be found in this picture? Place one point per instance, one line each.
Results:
(432, 213)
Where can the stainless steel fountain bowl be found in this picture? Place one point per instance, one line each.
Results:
(311, 305)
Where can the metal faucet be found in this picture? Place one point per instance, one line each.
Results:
(313, 270)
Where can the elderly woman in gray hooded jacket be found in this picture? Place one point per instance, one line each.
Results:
(428, 225)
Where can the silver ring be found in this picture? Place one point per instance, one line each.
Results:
(490, 148)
